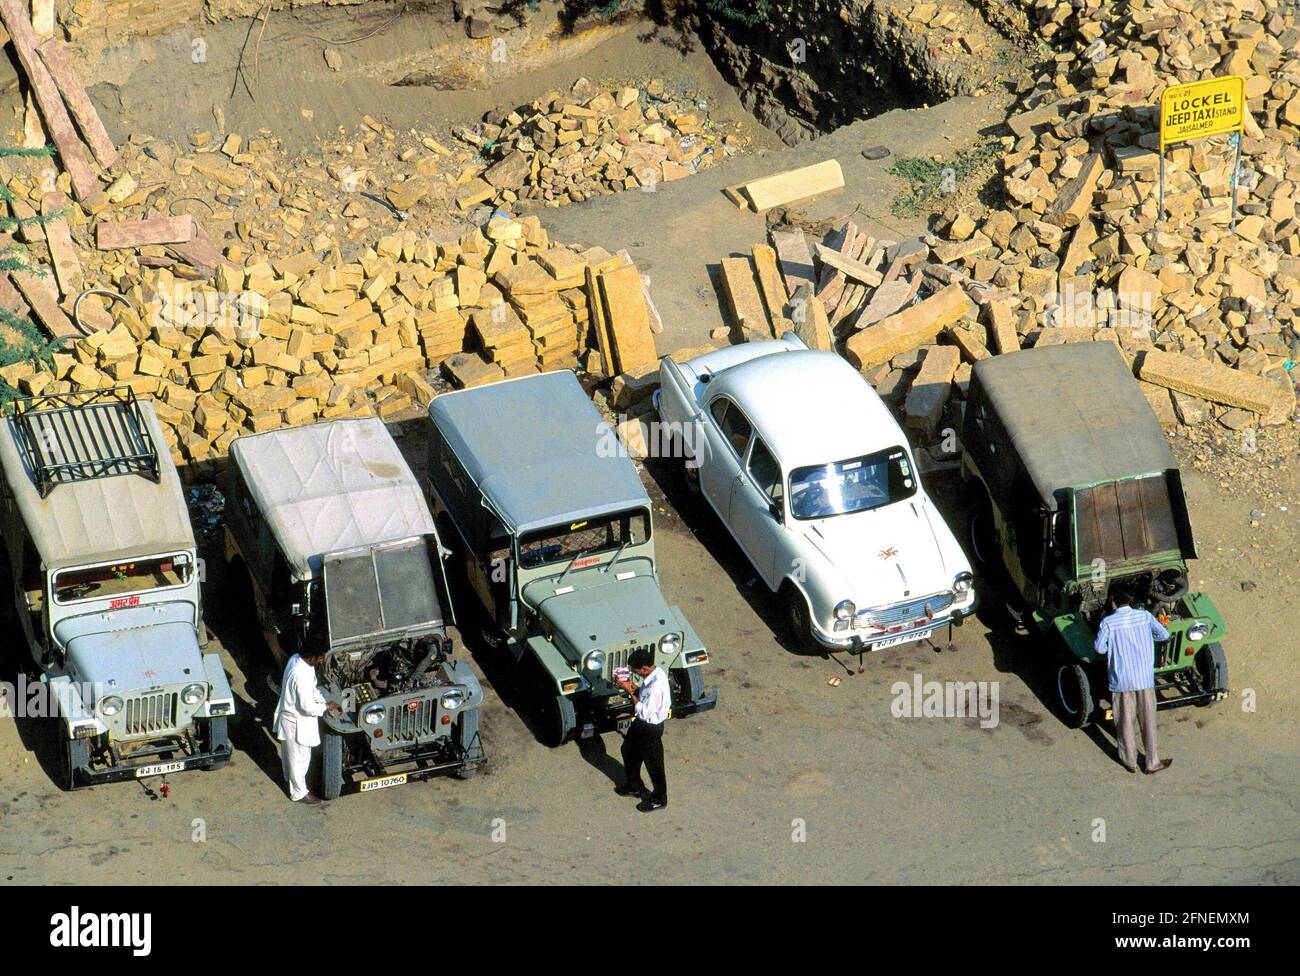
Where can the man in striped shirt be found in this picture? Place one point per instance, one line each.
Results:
(1127, 637)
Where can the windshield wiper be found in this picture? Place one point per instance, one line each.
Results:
(572, 563)
(619, 552)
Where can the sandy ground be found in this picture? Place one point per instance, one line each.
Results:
(878, 798)
(786, 754)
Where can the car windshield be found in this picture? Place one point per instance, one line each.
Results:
(375, 592)
(856, 485)
(586, 539)
(122, 581)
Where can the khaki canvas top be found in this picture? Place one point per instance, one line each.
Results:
(1074, 414)
(104, 519)
(331, 486)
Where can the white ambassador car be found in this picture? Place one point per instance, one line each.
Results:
(815, 480)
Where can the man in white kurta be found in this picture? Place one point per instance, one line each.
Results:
(296, 722)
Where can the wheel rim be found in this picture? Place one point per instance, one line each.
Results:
(1070, 702)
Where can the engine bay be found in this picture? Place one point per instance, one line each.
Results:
(1159, 592)
(390, 669)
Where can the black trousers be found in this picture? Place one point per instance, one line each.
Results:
(644, 743)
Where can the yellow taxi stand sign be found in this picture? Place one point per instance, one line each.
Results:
(1200, 109)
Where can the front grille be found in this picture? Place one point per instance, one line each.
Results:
(151, 713)
(411, 724)
(907, 614)
(616, 658)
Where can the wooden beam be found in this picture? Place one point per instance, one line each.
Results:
(56, 59)
(57, 121)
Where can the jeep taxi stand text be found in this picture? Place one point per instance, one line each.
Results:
(105, 585)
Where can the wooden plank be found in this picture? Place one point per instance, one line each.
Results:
(57, 121)
(63, 253)
(796, 259)
(743, 298)
(56, 59)
(157, 229)
(794, 186)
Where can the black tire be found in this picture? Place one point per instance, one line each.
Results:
(558, 719)
(690, 476)
(216, 736)
(1212, 664)
(76, 757)
(331, 765)
(1074, 693)
(467, 737)
(981, 533)
(798, 619)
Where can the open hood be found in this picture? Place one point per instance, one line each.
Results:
(1131, 520)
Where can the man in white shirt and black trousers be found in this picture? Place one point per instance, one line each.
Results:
(644, 741)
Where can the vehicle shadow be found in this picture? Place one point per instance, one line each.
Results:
(595, 753)
(231, 620)
(697, 517)
(1032, 658)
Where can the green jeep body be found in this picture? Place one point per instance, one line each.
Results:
(1073, 489)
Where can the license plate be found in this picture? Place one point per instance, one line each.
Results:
(901, 639)
(159, 769)
(382, 782)
(624, 724)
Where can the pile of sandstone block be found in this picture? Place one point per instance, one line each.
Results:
(308, 336)
(1207, 313)
(568, 147)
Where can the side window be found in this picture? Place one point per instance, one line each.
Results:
(765, 471)
(735, 428)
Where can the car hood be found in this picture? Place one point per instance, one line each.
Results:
(600, 614)
(888, 554)
(137, 648)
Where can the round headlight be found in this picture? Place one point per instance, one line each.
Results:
(669, 644)
(193, 694)
(844, 610)
(595, 661)
(963, 582)
(373, 715)
(1197, 631)
(110, 706)
(453, 699)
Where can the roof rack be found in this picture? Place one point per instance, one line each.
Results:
(84, 435)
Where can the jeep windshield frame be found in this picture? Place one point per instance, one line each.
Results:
(892, 465)
(569, 545)
(122, 579)
(380, 592)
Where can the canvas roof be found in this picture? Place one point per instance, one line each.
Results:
(538, 450)
(108, 518)
(327, 487)
(1075, 415)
